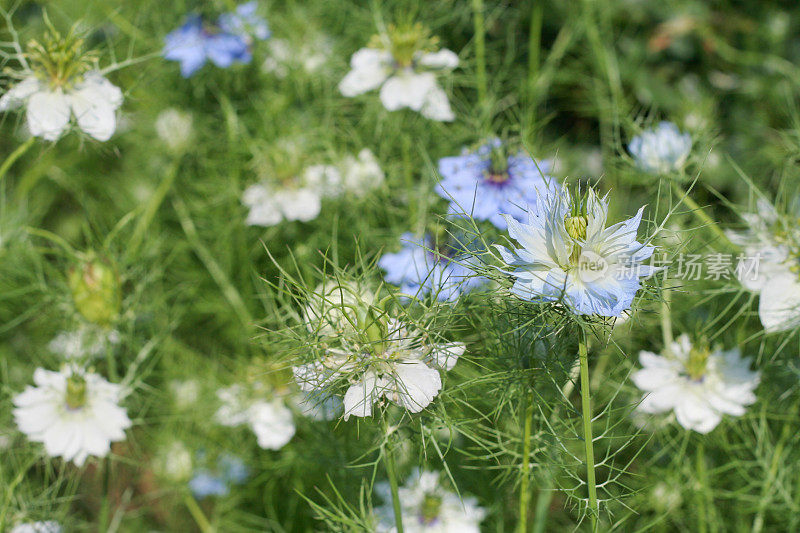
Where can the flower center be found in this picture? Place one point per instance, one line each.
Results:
(76, 392)
(697, 363)
(405, 40)
(498, 166)
(576, 229)
(430, 508)
(58, 59)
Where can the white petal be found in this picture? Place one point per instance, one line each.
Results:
(693, 413)
(407, 89)
(20, 92)
(369, 70)
(437, 106)
(94, 103)
(415, 385)
(444, 59)
(445, 356)
(779, 305)
(48, 114)
(360, 396)
(272, 423)
(300, 204)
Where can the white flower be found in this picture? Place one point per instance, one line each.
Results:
(92, 100)
(301, 200)
(186, 392)
(568, 254)
(269, 206)
(271, 421)
(74, 413)
(310, 55)
(698, 385)
(403, 83)
(174, 462)
(427, 507)
(770, 265)
(361, 174)
(85, 342)
(174, 128)
(662, 149)
(50, 526)
(403, 370)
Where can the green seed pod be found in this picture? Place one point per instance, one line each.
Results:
(95, 290)
(76, 391)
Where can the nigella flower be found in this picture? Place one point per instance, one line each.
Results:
(568, 255)
(60, 81)
(391, 363)
(217, 480)
(50, 526)
(421, 267)
(245, 22)
(427, 506)
(270, 420)
(310, 55)
(770, 265)
(402, 64)
(84, 342)
(75, 413)
(223, 44)
(174, 129)
(298, 199)
(662, 149)
(361, 174)
(489, 181)
(697, 384)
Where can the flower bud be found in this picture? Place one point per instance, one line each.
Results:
(95, 291)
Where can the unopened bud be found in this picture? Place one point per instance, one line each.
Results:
(95, 291)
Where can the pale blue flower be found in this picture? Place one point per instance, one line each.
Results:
(568, 255)
(193, 43)
(662, 149)
(488, 182)
(418, 270)
(245, 22)
(229, 470)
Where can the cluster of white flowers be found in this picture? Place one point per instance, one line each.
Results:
(270, 420)
(699, 385)
(74, 413)
(770, 265)
(269, 204)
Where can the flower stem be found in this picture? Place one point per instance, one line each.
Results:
(702, 526)
(524, 486)
(666, 318)
(197, 513)
(701, 214)
(16, 154)
(151, 208)
(480, 49)
(586, 408)
(391, 472)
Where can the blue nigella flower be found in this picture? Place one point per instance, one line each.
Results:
(662, 149)
(223, 44)
(245, 22)
(229, 470)
(488, 182)
(418, 270)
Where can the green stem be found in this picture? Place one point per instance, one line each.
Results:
(152, 206)
(480, 49)
(534, 54)
(197, 513)
(105, 509)
(391, 472)
(666, 318)
(586, 408)
(16, 154)
(701, 214)
(700, 464)
(524, 488)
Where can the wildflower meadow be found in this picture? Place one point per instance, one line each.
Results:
(399, 266)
